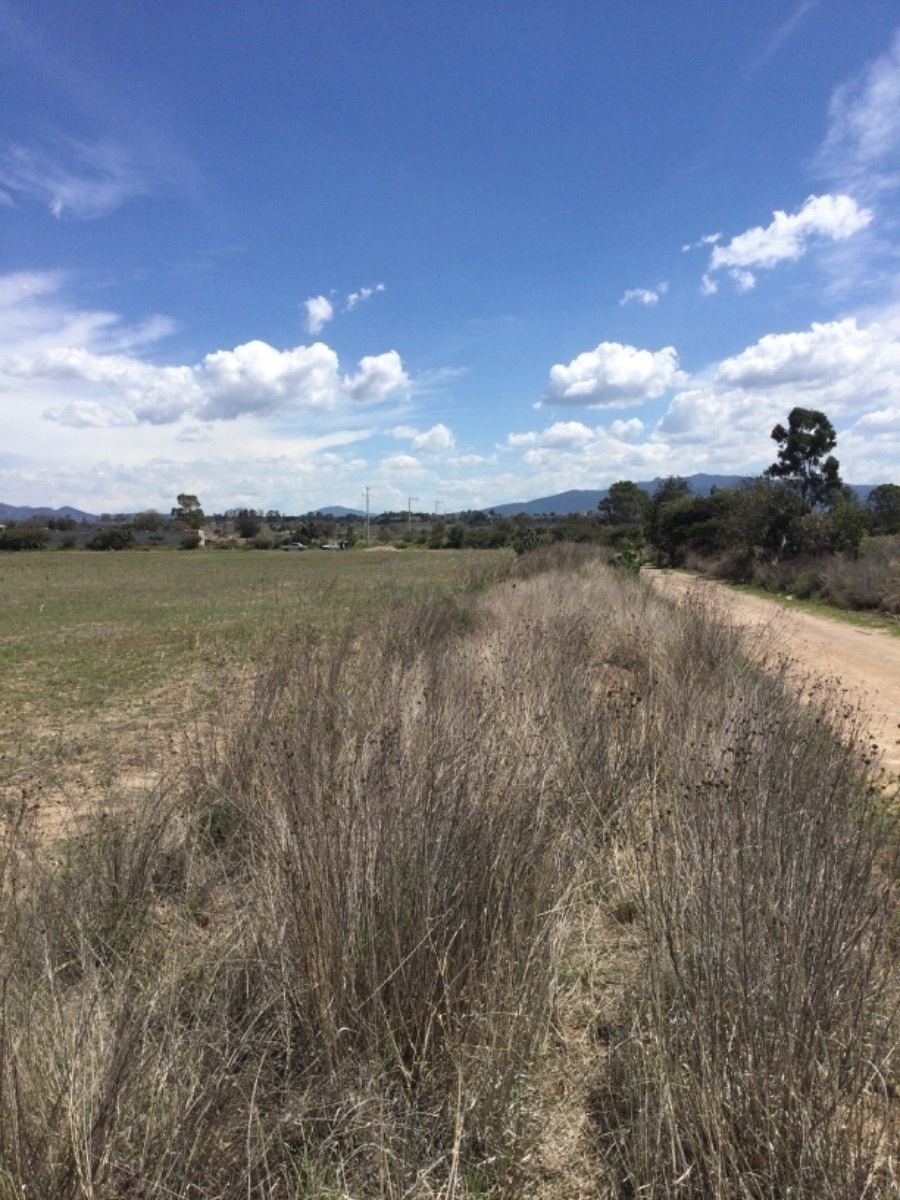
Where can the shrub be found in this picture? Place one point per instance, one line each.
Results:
(23, 537)
(190, 540)
(114, 537)
(752, 1057)
(883, 505)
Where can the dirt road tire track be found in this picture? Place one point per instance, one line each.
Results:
(865, 662)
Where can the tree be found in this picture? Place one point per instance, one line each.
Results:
(625, 504)
(692, 524)
(763, 517)
(150, 521)
(801, 458)
(188, 513)
(883, 504)
(667, 492)
(114, 537)
(456, 536)
(247, 522)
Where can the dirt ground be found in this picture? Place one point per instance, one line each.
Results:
(864, 662)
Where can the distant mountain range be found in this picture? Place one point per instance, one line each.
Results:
(21, 512)
(336, 510)
(567, 503)
(563, 504)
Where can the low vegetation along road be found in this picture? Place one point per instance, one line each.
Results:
(863, 661)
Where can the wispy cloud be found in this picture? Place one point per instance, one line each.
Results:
(76, 179)
(744, 281)
(783, 33)
(708, 239)
(862, 148)
(646, 296)
(362, 295)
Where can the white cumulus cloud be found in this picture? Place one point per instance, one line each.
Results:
(709, 416)
(436, 440)
(258, 379)
(319, 311)
(97, 378)
(613, 374)
(880, 422)
(846, 369)
(824, 354)
(627, 431)
(254, 379)
(562, 435)
(789, 235)
(379, 376)
(404, 463)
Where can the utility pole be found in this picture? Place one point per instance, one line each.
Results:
(366, 494)
(409, 513)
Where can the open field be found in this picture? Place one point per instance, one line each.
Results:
(532, 891)
(105, 657)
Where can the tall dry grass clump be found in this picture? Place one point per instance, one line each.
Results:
(870, 580)
(755, 1054)
(324, 959)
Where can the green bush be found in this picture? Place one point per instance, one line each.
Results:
(23, 537)
(115, 537)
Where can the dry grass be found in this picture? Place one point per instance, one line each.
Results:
(869, 582)
(541, 891)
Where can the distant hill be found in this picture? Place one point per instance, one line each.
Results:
(335, 510)
(12, 512)
(562, 504)
(567, 503)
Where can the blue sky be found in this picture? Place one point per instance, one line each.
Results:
(469, 252)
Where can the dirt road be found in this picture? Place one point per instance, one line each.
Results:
(862, 661)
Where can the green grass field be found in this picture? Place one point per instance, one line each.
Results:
(117, 649)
